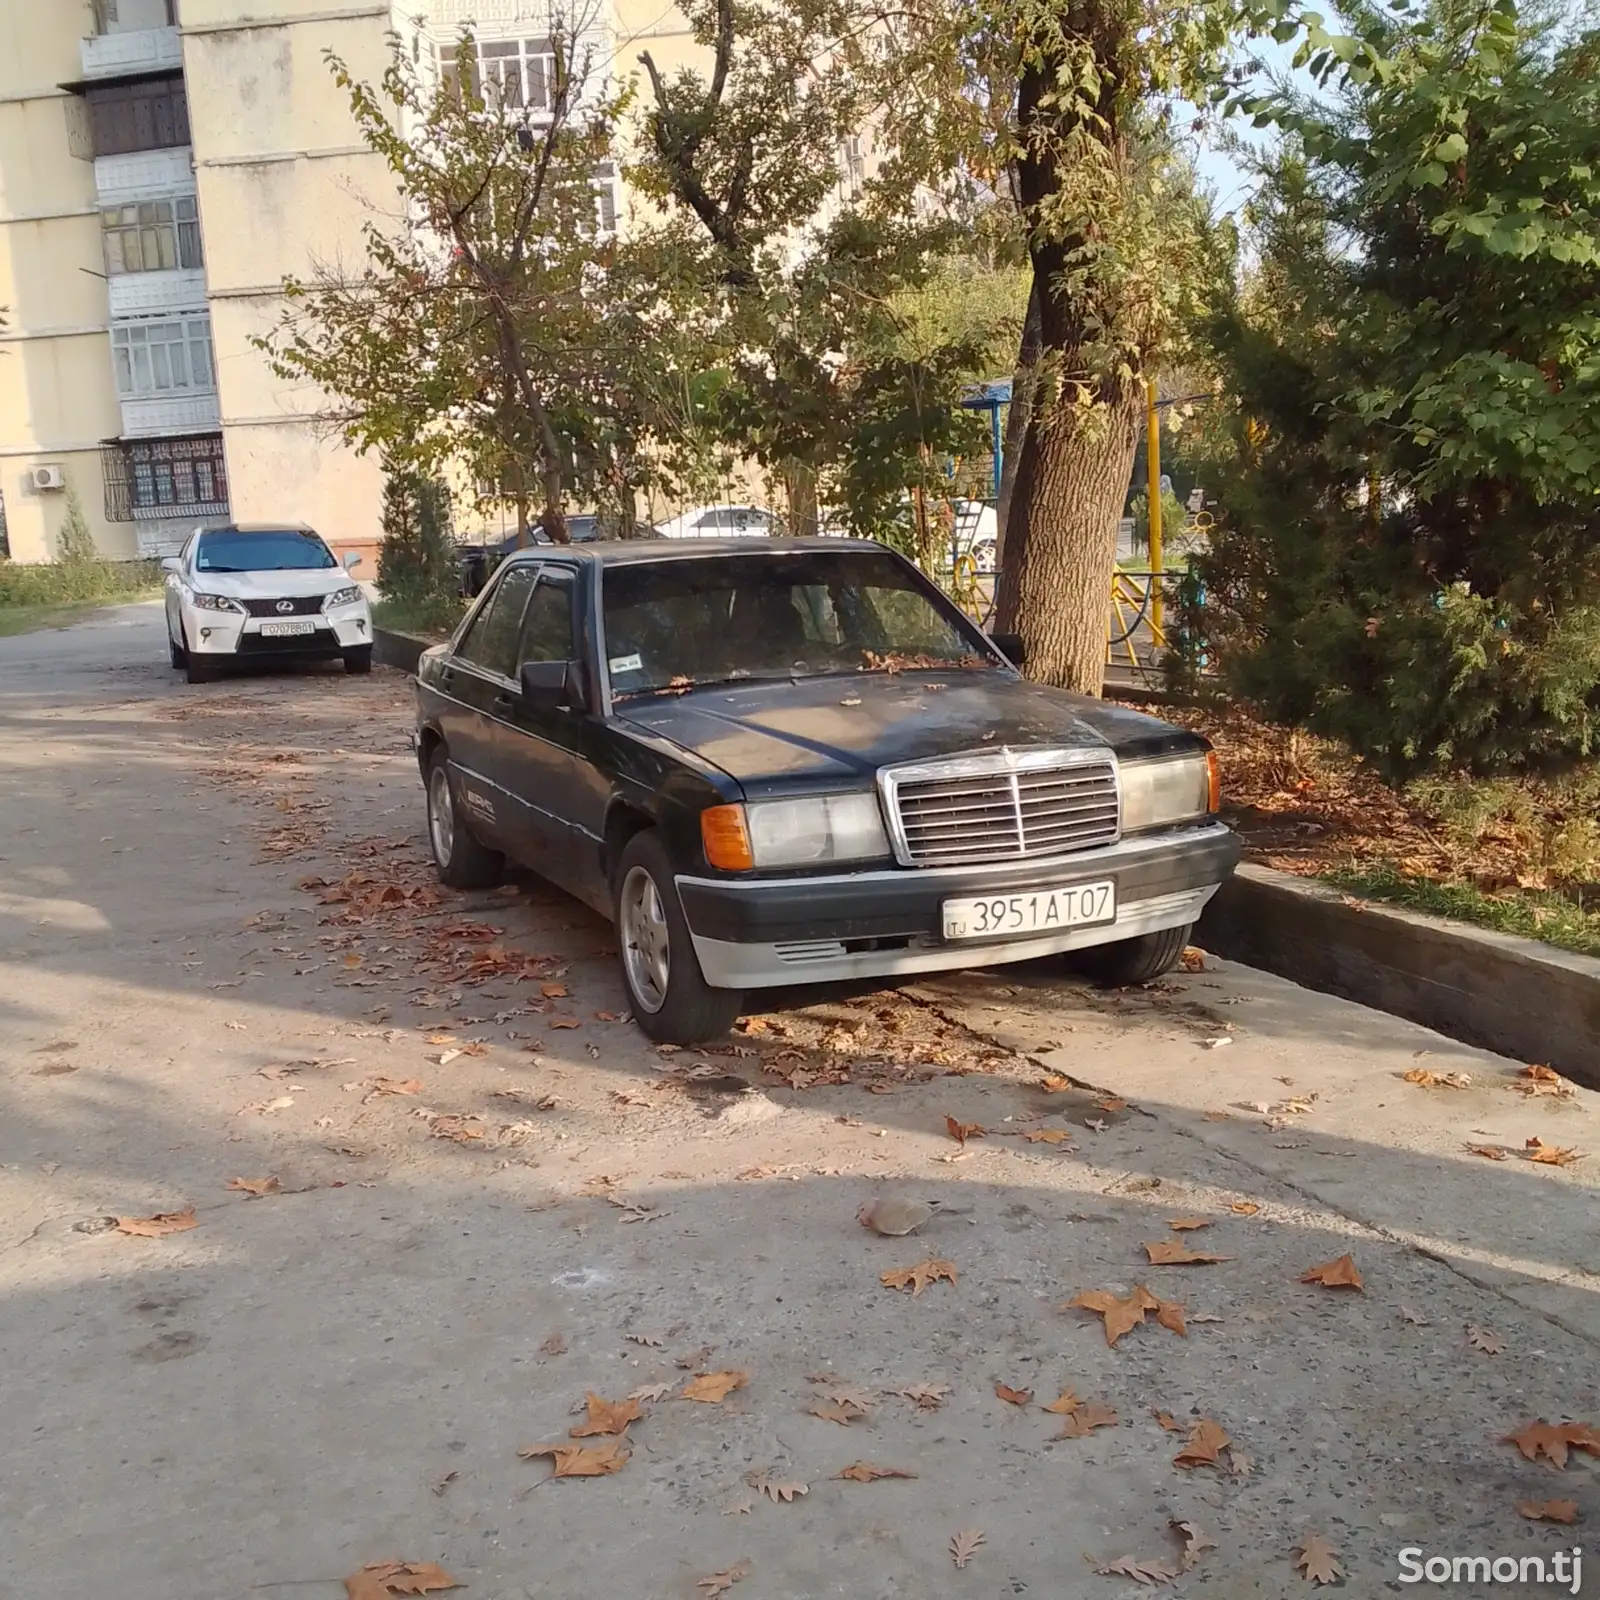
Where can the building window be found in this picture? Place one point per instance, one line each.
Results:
(165, 478)
(605, 189)
(151, 115)
(152, 236)
(171, 355)
(518, 73)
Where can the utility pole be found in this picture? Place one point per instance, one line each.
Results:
(1152, 424)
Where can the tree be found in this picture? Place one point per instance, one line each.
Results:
(416, 556)
(1406, 554)
(75, 545)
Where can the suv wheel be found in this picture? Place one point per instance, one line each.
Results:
(1142, 959)
(669, 998)
(359, 659)
(462, 862)
(175, 651)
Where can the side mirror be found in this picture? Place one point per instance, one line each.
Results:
(169, 563)
(1010, 645)
(550, 685)
(351, 562)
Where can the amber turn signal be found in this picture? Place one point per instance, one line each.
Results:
(726, 838)
(1213, 782)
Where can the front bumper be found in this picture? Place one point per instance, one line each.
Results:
(885, 922)
(225, 633)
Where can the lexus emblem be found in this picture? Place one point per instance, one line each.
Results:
(286, 605)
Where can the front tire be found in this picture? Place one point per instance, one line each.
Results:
(670, 999)
(462, 862)
(1142, 959)
(179, 656)
(359, 660)
(198, 671)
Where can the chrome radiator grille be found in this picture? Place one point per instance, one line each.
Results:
(1001, 808)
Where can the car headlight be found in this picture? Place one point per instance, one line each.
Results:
(215, 602)
(794, 833)
(342, 597)
(1167, 790)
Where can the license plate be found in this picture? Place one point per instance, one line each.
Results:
(278, 630)
(1036, 911)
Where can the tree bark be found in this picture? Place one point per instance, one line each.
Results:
(800, 487)
(1017, 415)
(1055, 586)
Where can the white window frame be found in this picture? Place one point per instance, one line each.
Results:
(166, 230)
(157, 357)
(520, 73)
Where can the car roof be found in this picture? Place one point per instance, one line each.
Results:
(629, 552)
(261, 527)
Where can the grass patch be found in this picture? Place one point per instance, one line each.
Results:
(1532, 913)
(433, 619)
(33, 618)
(59, 583)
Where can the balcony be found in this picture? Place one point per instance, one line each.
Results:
(127, 55)
(143, 419)
(149, 294)
(145, 175)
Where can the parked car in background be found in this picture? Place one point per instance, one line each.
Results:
(477, 561)
(797, 761)
(263, 592)
(720, 522)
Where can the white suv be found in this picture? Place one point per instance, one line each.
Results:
(260, 592)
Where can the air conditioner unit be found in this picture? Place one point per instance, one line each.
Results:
(43, 478)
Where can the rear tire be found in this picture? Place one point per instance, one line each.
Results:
(359, 660)
(1142, 959)
(461, 860)
(667, 993)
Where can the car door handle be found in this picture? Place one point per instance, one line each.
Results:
(503, 701)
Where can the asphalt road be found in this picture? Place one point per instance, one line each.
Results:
(221, 959)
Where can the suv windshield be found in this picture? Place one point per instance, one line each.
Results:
(669, 624)
(289, 551)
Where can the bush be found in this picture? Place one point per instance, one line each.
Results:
(417, 569)
(66, 582)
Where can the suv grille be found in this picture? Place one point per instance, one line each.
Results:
(1002, 808)
(305, 605)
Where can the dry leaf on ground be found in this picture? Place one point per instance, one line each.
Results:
(1425, 1078)
(1063, 1403)
(865, 1472)
(1168, 1421)
(553, 991)
(711, 1387)
(651, 1391)
(1187, 1224)
(1340, 1273)
(255, 1187)
(784, 1489)
(1193, 959)
(720, 1582)
(925, 1396)
(158, 1226)
(1084, 1419)
(1315, 1558)
(380, 1579)
(1553, 1440)
(1048, 1136)
(1054, 1083)
(844, 1394)
(1239, 1464)
(1121, 1315)
(1245, 1208)
(1195, 1541)
(582, 1461)
(607, 1416)
(1482, 1339)
(1550, 1155)
(1013, 1397)
(963, 1544)
(1548, 1510)
(962, 1131)
(917, 1278)
(1170, 1253)
(1490, 1152)
(377, 1086)
(1206, 1442)
(1541, 1080)
(1150, 1573)
(831, 1412)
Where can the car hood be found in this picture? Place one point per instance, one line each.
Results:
(837, 731)
(290, 584)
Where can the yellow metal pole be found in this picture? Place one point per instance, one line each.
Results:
(1152, 425)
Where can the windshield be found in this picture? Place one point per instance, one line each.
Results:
(671, 624)
(262, 552)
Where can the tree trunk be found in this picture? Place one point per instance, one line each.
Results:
(1055, 586)
(1017, 415)
(800, 487)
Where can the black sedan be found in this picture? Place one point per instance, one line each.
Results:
(796, 762)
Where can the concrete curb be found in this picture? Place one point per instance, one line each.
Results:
(402, 650)
(1521, 999)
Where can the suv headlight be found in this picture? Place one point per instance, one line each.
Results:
(794, 833)
(1168, 790)
(215, 602)
(342, 597)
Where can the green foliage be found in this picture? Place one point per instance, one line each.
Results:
(416, 557)
(65, 582)
(75, 545)
(1406, 556)
(1173, 518)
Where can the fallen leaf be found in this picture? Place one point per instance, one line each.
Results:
(1239, 1464)
(865, 1472)
(254, 1186)
(1192, 959)
(158, 1226)
(925, 1396)
(1096, 1124)
(964, 1544)
(720, 1582)
(1548, 1510)
(1550, 1155)
(1048, 1135)
(742, 1507)
(1111, 1102)
(1314, 1556)
(445, 1482)
(917, 1278)
(553, 991)
(395, 1085)
(1170, 1253)
(565, 1022)
(776, 1488)
(609, 1016)
(1541, 1080)
(1054, 1083)
(1120, 1315)
(607, 1416)
(582, 1461)
(1552, 1440)
(1187, 1224)
(380, 1579)
(1482, 1339)
(711, 1387)
(1084, 1419)
(1013, 1397)
(555, 1345)
(962, 1131)
(1206, 1441)
(1145, 1572)
(1340, 1273)
(1063, 1403)
(445, 1057)
(1168, 1421)
(829, 1411)
(1425, 1078)
(646, 1339)
(1416, 1317)
(651, 1391)
(1490, 1152)
(847, 1394)
(1245, 1208)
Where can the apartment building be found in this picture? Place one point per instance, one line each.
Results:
(164, 164)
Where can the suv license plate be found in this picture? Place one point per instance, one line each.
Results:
(1037, 911)
(277, 630)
